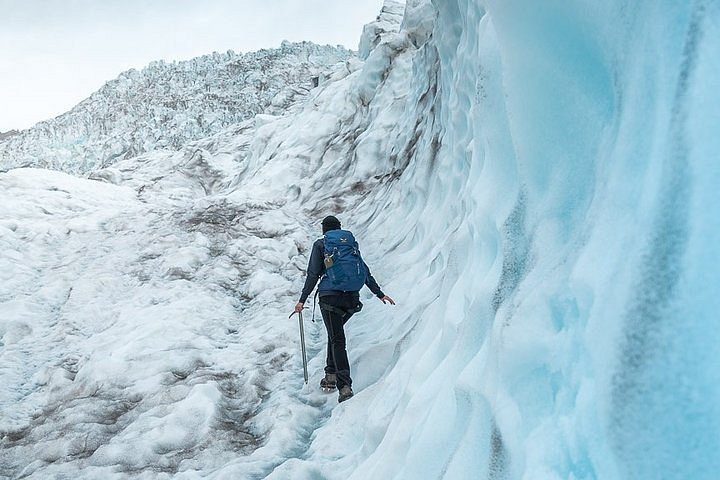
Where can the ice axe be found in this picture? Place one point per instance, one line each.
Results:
(302, 344)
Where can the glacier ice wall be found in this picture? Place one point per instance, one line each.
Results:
(569, 321)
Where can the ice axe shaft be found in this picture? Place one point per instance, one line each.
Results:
(302, 345)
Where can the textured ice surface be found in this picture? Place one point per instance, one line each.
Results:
(165, 105)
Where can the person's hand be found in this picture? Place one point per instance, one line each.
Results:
(387, 299)
(299, 307)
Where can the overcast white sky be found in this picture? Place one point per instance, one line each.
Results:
(55, 53)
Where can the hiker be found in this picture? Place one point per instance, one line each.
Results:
(331, 261)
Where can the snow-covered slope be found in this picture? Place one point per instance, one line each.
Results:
(530, 182)
(165, 105)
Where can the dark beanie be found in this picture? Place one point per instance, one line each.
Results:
(330, 223)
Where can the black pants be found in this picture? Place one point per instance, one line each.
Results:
(336, 311)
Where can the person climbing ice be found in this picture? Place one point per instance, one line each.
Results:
(335, 260)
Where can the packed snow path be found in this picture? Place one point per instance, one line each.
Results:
(143, 336)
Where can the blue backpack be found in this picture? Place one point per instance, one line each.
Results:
(344, 267)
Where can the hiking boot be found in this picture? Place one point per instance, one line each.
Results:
(345, 393)
(328, 384)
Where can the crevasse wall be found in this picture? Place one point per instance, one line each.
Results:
(566, 320)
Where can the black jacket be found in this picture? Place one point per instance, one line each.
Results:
(316, 269)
